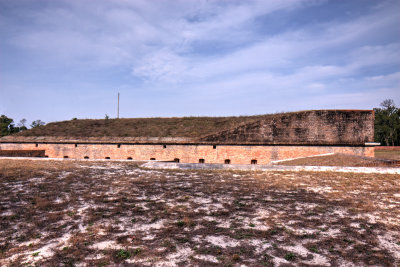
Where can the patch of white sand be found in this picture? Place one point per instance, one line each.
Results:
(172, 259)
(321, 189)
(149, 237)
(389, 242)
(224, 224)
(146, 227)
(7, 213)
(254, 223)
(331, 232)
(222, 241)
(259, 244)
(209, 258)
(201, 200)
(278, 261)
(106, 245)
(46, 251)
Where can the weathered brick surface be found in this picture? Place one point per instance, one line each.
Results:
(22, 153)
(327, 127)
(274, 137)
(238, 154)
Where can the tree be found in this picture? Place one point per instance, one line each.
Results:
(387, 123)
(7, 126)
(37, 123)
(21, 125)
(5, 123)
(22, 122)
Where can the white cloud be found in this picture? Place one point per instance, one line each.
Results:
(289, 51)
(211, 50)
(163, 66)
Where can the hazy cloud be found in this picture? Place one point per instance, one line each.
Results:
(242, 57)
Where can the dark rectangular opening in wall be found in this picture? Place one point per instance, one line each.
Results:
(152, 158)
(86, 157)
(65, 157)
(129, 158)
(76, 145)
(214, 147)
(164, 146)
(176, 160)
(201, 161)
(253, 161)
(46, 156)
(107, 157)
(227, 161)
(36, 145)
(119, 145)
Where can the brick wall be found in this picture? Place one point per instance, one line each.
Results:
(275, 137)
(327, 127)
(238, 154)
(22, 153)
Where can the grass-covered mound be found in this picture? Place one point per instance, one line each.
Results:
(155, 127)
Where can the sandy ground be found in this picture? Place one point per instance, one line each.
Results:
(68, 213)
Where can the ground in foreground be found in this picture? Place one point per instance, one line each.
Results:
(106, 213)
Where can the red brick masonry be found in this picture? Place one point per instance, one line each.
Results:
(22, 153)
(272, 137)
(237, 154)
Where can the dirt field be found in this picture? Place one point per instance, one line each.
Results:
(70, 213)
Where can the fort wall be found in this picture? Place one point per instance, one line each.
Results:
(314, 127)
(269, 138)
(236, 154)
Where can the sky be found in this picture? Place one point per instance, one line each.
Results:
(61, 59)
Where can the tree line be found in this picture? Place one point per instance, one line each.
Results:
(7, 125)
(387, 124)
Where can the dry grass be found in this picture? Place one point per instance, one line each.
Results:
(153, 127)
(108, 213)
(388, 154)
(342, 160)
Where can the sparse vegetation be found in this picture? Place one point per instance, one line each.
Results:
(180, 223)
(153, 127)
(290, 257)
(37, 123)
(393, 155)
(382, 159)
(108, 213)
(123, 254)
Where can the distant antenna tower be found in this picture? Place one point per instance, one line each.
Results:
(118, 107)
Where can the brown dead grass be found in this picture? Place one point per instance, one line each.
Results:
(139, 127)
(342, 160)
(388, 154)
(109, 213)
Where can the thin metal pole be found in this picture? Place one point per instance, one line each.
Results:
(118, 107)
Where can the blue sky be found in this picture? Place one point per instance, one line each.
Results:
(61, 59)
